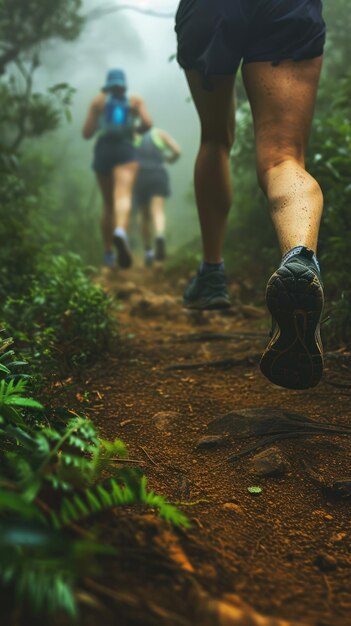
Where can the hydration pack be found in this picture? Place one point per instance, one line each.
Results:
(117, 118)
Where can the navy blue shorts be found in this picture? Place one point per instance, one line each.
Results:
(109, 153)
(214, 36)
(151, 183)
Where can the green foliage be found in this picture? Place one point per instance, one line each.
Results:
(56, 472)
(63, 320)
(24, 24)
(18, 213)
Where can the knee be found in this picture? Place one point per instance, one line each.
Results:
(222, 136)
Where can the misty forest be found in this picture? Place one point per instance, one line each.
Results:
(149, 474)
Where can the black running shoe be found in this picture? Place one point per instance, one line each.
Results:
(207, 292)
(294, 296)
(160, 249)
(124, 256)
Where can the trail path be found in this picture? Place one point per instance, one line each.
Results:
(284, 551)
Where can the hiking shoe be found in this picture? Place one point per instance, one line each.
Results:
(294, 296)
(109, 259)
(149, 258)
(124, 256)
(208, 291)
(160, 249)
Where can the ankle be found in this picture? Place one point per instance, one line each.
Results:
(206, 268)
(296, 250)
(120, 232)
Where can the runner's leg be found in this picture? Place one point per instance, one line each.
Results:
(282, 100)
(146, 226)
(123, 181)
(213, 187)
(158, 215)
(107, 219)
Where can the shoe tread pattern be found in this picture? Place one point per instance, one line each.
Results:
(294, 358)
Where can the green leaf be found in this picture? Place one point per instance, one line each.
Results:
(14, 503)
(24, 402)
(254, 490)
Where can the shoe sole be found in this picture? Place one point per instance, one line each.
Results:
(211, 304)
(294, 357)
(124, 257)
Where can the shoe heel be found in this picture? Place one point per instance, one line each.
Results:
(293, 358)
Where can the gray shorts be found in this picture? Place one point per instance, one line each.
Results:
(151, 183)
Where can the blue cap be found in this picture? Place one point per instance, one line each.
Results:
(115, 78)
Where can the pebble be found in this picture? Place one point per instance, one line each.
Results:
(212, 441)
(270, 462)
(166, 420)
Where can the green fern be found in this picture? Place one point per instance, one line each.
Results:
(41, 564)
(103, 497)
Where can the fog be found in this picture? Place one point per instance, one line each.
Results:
(142, 45)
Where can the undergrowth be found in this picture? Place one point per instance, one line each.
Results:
(56, 473)
(62, 321)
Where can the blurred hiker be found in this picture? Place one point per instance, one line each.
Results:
(152, 187)
(116, 117)
(281, 44)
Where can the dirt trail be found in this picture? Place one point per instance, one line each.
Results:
(284, 551)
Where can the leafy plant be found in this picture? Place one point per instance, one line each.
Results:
(64, 320)
(56, 472)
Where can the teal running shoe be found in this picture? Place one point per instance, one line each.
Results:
(207, 292)
(294, 296)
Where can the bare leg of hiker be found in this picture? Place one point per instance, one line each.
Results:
(213, 185)
(158, 215)
(282, 100)
(159, 222)
(123, 182)
(107, 218)
(147, 234)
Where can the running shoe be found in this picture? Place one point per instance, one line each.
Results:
(109, 259)
(207, 291)
(294, 296)
(124, 256)
(149, 258)
(160, 249)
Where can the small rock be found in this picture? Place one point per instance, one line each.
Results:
(270, 462)
(326, 562)
(212, 441)
(166, 420)
(259, 421)
(235, 508)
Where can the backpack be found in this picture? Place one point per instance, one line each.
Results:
(117, 118)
